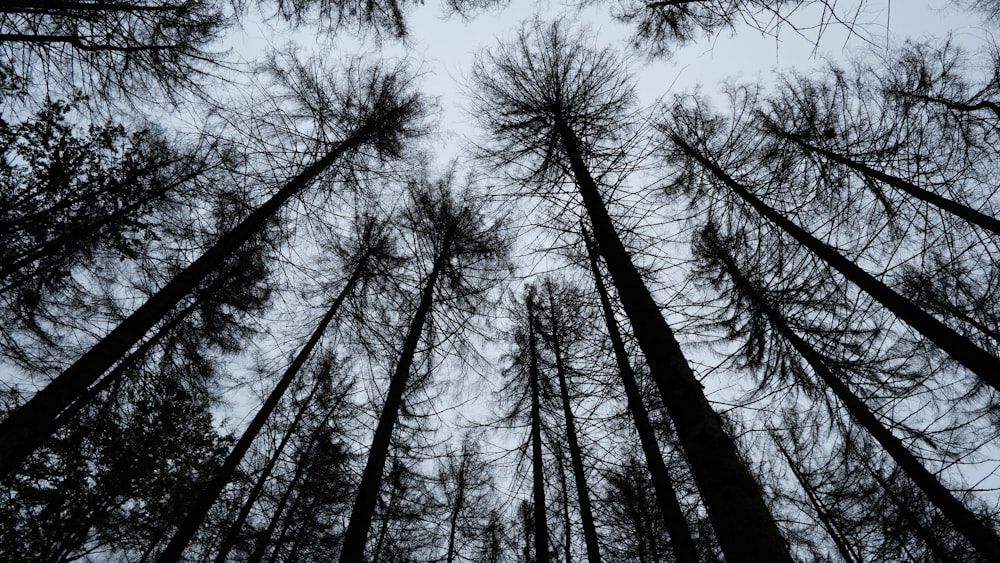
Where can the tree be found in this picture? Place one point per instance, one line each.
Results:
(110, 47)
(558, 334)
(464, 250)
(380, 117)
(466, 488)
(372, 246)
(716, 249)
(674, 520)
(550, 102)
(958, 347)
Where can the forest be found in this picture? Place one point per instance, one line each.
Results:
(251, 309)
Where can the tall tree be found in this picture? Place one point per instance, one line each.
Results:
(557, 303)
(372, 246)
(666, 495)
(712, 246)
(964, 351)
(465, 251)
(111, 47)
(553, 103)
(380, 113)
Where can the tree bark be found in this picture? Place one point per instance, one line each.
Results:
(224, 475)
(979, 534)
(356, 535)
(955, 208)
(745, 528)
(576, 456)
(28, 426)
(666, 496)
(538, 480)
(964, 351)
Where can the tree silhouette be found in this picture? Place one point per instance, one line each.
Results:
(550, 101)
(384, 110)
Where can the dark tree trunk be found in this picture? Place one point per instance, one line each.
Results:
(939, 551)
(843, 546)
(356, 535)
(28, 426)
(666, 496)
(263, 542)
(576, 456)
(232, 536)
(564, 487)
(744, 525)
(456, 510)
(959, 210)
(538, 479)
(224, 475)
(964, 351)
(979, 533)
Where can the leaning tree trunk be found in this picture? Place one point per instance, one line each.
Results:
(233, 534)
(955, 208)
(744, 525)
(939, 551)
(356, 535)
(28, 426)
(576, 456)
(979, 533)
(842, 543)
(964, 351)
(538, 479)
(263, 540)
(199, 510)
(666, 496)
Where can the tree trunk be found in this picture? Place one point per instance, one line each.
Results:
(576, 456)
(456, 511)
(28, 426)
(744, 526)
(538, 480)
(231, 537)
(666, 496)
(264, 540)
(959, 210)
(979, 534)
(822, 514)
(974, 358)
(224, 475)
(356, 535)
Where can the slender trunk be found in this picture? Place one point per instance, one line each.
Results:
(666, 496)
(28, 426)
(538, 479)
(744, 525)
(264, 540)
(575, 454)
(822, 514)
(564, 487)
(959, 210)
(940, 553)
(456, 511)
(964, 351)
(233, 534)
(979, 533)
(364, 506)
(224, 475)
